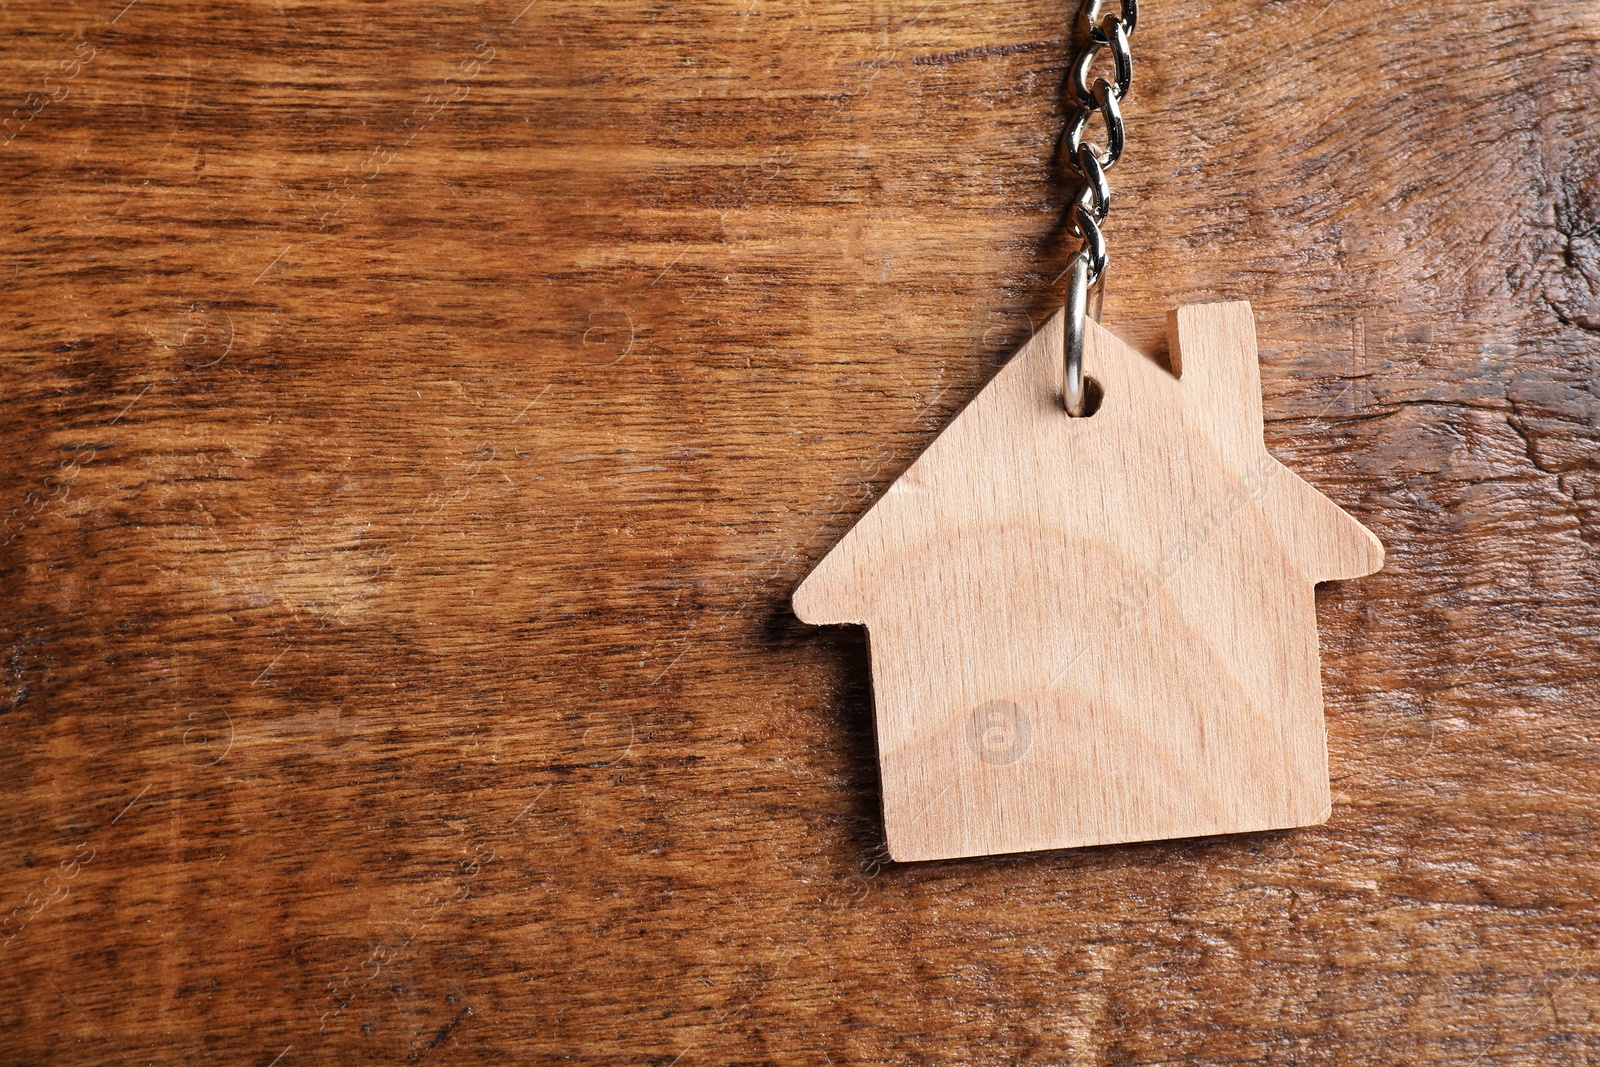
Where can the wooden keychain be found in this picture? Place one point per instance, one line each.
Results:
(1090, 601)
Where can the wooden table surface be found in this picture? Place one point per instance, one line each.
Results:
(416, 416)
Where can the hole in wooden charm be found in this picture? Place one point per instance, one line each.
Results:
(1093, 394)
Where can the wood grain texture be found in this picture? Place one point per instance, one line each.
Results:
(1094, 630)
(407, 479)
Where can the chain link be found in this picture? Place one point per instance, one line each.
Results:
(1098, 96)
(1093, 95)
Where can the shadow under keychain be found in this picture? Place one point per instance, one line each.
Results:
(1090, 601)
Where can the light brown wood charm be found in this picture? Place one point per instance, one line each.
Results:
(1097, 629)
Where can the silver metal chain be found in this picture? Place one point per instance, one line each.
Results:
(1108, 32)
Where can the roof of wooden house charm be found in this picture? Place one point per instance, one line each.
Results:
(1089, 630)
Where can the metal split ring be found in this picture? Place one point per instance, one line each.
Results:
(1076, 325)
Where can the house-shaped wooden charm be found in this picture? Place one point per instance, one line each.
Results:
(1099, 629)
